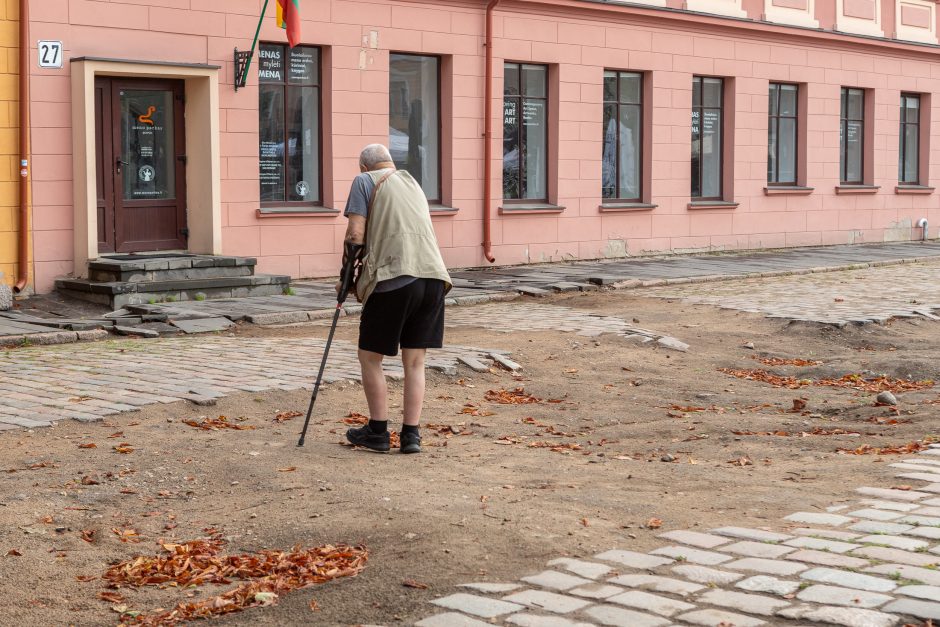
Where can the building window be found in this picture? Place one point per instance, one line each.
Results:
(414, 119)
(782, 134)
(909, 162)
(289, 120)
(707, 95)
(852, 136)
(623, 121)
(525, 132)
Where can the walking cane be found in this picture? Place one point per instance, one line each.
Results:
(350, 256)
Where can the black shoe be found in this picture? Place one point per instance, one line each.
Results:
(410, 443)
(363, 436)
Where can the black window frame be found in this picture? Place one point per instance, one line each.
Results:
(721, 154)
(285, 85)
(902, 139)
(844, 135)
(640, 139)
(773, 121)
(440, 117)
(520, 99)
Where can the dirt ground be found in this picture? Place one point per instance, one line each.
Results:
(472, 506)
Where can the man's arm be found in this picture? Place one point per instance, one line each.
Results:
(356, 229)
(352, 250)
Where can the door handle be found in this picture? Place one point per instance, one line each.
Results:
(120, 163)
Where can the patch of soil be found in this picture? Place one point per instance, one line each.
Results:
(490, 499)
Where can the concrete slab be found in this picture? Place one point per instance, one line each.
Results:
(203, 325)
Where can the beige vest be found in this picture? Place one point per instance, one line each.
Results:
(400, 239)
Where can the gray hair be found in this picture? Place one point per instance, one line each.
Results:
(374, 154)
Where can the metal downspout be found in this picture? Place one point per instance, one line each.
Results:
(488, 133)
(23, 256)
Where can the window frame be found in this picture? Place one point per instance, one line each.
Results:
(440, 117)
(721, 134)
(640, 139)
(293, 204)
(844, 135)
(521, 97)
(903, 138)
(775, 120)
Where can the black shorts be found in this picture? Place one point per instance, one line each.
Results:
(411, 317)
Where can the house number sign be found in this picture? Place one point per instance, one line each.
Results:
(50, 54)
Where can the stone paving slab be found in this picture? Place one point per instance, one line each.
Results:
(860, 584)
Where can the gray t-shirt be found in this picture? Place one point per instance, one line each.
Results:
(358, 203)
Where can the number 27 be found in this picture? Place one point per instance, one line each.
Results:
(49, 48)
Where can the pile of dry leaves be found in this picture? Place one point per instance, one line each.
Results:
(216, 424)
(517, 396)
(799, 434)
(778, 361)
(849, 381)
(891, 449)
(765, 377)
(267, 575)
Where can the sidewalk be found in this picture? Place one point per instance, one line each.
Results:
(868, 560)
(313, 300)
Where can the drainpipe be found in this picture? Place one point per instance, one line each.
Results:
(923, 225)
(488, 133)
(23, 257)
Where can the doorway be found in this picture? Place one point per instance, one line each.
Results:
(140, 152)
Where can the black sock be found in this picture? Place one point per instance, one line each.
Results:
(378, 426)
(409, 429)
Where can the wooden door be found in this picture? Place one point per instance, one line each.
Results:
(141, 157)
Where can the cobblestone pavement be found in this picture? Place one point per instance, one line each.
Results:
(477, 285)
(316, 298)
(870, 564)
(507, 318)
(88, 381)
(870, 295)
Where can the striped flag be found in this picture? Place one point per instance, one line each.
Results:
(288, 17)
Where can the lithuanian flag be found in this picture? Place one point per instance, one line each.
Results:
(288, 17)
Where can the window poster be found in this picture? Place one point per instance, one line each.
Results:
(533, 112)
(510, 112)
(302, 69)
(271, 64)
(271, 173)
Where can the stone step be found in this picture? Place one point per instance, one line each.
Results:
(120, 293)
(134, 269)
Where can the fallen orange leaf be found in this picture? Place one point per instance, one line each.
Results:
(284, 416)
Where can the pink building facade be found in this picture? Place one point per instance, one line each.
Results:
(618, 128)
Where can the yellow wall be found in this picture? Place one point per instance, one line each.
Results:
(9, 138)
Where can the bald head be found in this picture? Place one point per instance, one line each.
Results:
(373, 155)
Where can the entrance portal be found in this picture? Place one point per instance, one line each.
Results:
(140, 155)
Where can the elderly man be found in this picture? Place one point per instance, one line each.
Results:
(401, 285)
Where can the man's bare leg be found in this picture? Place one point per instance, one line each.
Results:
(373, 382)
(413, 361)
